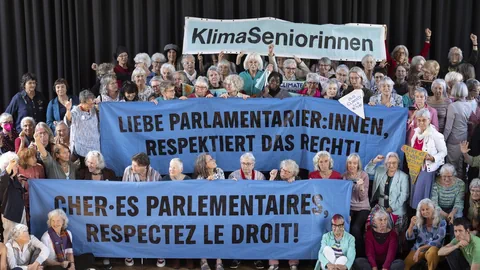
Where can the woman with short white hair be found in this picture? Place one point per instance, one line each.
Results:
(95, 168)
(139, 76)
(175, 171)
(247, 169)
(452, 78)
(253, 66)
(201, 89)
(25, 251)
(448, 194)
(439, 101)
(455, 56)
(143, 60)
(234, 85)
(158, 59)
(416, 66)
(456, 126)
(312, 86)
(323, 167)
(357, 79)
(386, 97)
(420, 102)
(368, 63)
(8, 133)
(166, 71)
(288, 171)
(28, 129)
(473, 213)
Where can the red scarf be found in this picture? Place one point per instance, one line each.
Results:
(243, 175)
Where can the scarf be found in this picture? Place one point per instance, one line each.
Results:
(243, 175)
(60, 243)
(192, 77)
(426, 133)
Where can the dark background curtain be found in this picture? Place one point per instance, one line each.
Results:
(62, 38)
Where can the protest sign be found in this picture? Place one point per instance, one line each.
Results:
(354, 102)
(338, 42)
(415, 159)
(292, 86)
(194, 219)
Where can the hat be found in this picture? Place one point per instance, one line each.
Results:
(169, 47)
(120, 50)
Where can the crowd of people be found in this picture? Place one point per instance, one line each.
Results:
(395, 222)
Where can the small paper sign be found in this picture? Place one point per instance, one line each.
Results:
(354, 102)
(415, 159)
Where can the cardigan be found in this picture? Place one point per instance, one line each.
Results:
(53, 111)
(347, 244)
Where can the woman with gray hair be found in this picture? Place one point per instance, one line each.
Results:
(95, 168)
(357, 80)
(312, 86)
(253, 66)
(322, 67)
(368, 63)
(108, 90)
(473, 213)
(427, 139)
(175, 171)
(416, 66)
(8, 133)
(428, 230)
(28, 129)
(247, 169)
(183, 85)
(455, 56)
(201, 89)
(448, 194)
(144, 90)
(142, 60)
(58, 240)
(288, 171)
(440, 102)
(386, 97)
(166, 71)
(158, 59)
(420, 102)
(234, 85)
(25, 251)
(452, 78)
(456, 127)
(473, 86)
(214, 79)
(188, 63)
(381, 243)
(341, 74)
(323, 167)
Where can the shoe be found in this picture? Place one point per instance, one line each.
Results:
(204, 265)
(106, 261)
(258, 264)
(219, 266)
(235, 264)
(293, 267)
(161, 263)
(274, 267)
(129, 262)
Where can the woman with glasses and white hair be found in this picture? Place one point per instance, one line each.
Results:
(288, 171)
(420, 102)
(455, 56)
(95, 168)
(312, 86)
(139, 78)
(158, 59)
(175, 171)
(253, 71)
(448, 194)
(25, 251)
(439, 101)
(247, 169)
(381, 243)
(183, 85)
(428, 230)
(234, 84)
(427, 139)
(386, 97)
(58, 240)
(473, 213)
(323, 167)
(456, 127)
(201, 89)
(368, 63)
(357, 79)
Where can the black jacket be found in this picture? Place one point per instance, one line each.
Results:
(12, 193)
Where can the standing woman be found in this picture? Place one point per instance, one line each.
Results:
(323, 167)
(439, 101)
(122, 70)
(139, 76)
(253, 66)
(420, 102)
(8, 133)
(56, 109)
(172, 52)
(427, 139)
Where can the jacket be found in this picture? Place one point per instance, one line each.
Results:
(12, 199)
(347, 244)
(53, 111)
(434, 144)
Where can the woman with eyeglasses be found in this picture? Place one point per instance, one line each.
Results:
(312, 86)
(247, 169)
(448, 194)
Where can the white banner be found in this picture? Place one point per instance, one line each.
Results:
(338, 42)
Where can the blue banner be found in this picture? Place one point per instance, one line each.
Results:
(272, 129)
(194, 219)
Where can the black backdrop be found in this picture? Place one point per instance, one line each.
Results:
(61, 38)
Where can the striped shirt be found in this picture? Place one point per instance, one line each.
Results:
(449, 197)
(441, 108)
(84, 131)
(130, 176)
(337, 248)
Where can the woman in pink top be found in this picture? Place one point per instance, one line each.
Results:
(323, 167)
(420, 102)
(313, 87)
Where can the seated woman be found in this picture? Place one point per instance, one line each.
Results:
(201, 89)
(428, 230)
(331, 90)
(140, 170)
(448, 194)
(95, 168)
(473, 212)
(28, 128)
(175, 171)
(25, 251)
(313, 87)
(234, 85)
(359, 204)
(56, 107)
(338, 247)
(288, 172)
(8, 133)
(247, 169)
(62, 134)
(57, 165)
(386, 97)
(273, 90)
(323, 167)
(206, 168)
(381, 244)
(58, 240)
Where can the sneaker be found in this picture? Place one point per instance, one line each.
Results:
(258, 264)
(129, 262)
(161, 263)
(219, 266)
(235, 264)
(293, 267)
(274, 267)
(204, 265)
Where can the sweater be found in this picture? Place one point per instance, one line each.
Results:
(377, 252)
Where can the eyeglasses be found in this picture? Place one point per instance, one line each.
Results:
(285, 171)
(475, 191)
(156, 86)
(312, 82)
(290, 68)
(339, 226)
(247, 164)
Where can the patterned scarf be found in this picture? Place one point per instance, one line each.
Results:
(60, 243)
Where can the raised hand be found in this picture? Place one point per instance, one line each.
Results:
(464, 147)
(273, 174)
(473, 38)
(270, 49)
(378, 159)
(428, 32)
(68, 105)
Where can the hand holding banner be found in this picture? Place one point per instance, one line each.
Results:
(415, 159)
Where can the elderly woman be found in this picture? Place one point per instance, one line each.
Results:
(84, 126)
(313, 87)
(206, 168)
(158, 59)
(183, 85)
(294, 69)
(166, 71)
(247, 169)
(357, 79)
(337, 250)
(201, 89)
(27, 102)
(56, 109)
(273, 89)
(140, 170)
(456, 126)
(430, 71)
(452, 78)
(62, 134)
(401, 84)
(129, 91)
(46, 136)
(378, 74)
(368, 63)
(381, 243)
(322, 67)
(172, 51)
(428, 230)
(234, 85)
(95, 168)
(473, 212)
(390, 188)
(473, 92)
(28, 129)
(142, 60)
(175, 171)
(167, 91)
(416, 66)
(359, 204)
(58, 164)
(214, 79)
(341, 74)
(440, 102)
(448, 194)
(11, 195)
(386, 97)
(139, 77)
(253, 66)
(288, 172)
(188, 64)
(427, 139)
(25, 251)
(330, 90)
(455, 56)
(467, 70)
(323, 167)
(100, 70)
(223, 67)
(122, 70)
(58, 240)
(108, 90)
(420, 102)
(8, 134)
